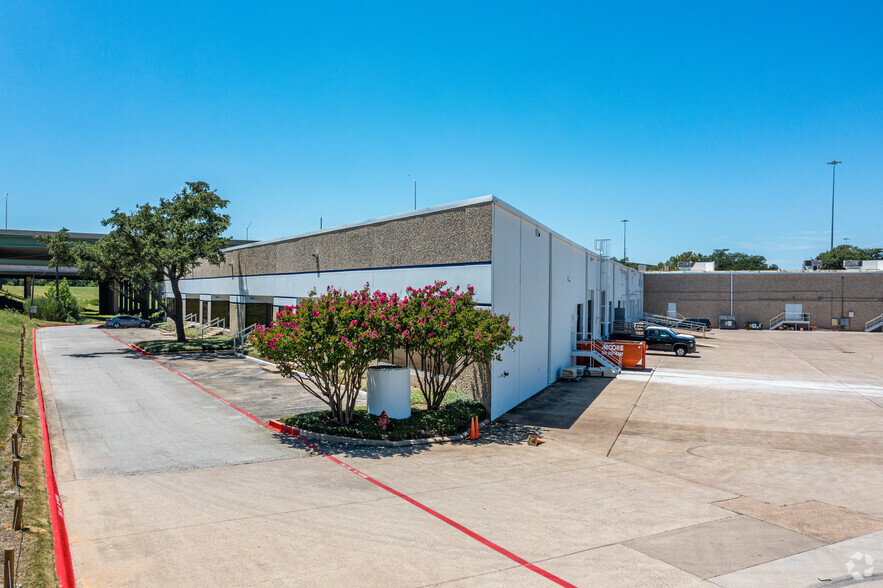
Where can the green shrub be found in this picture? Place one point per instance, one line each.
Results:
(62, 309)
(449, 419)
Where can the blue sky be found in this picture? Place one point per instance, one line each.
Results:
(708, 125)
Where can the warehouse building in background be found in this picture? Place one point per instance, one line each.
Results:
(849, 299)
(554, 290)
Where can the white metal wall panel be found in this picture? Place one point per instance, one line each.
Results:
(568, 287)
(594, 284)
(534, 310)
(506, 262)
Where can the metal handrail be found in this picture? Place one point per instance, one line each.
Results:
(242, 337)
(675, 323)
(877, 320)
(192, 317)
(217, 322)
(788, 317)
(597, 345)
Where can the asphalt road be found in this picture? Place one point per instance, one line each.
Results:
(124, 413)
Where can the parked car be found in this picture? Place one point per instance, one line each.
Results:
(125, 320)
(662, 339)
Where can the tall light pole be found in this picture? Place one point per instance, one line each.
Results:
(7, 210)
(624, 256)
(415, 191)
(246, 229)
(833, 165)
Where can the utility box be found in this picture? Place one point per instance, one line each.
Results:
(727, 321)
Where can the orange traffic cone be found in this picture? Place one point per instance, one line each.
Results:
(473, 429)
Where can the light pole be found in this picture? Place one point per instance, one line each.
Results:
(833, 165)
(7, 210)
(415, 191)
(246, 229)
(624, 256)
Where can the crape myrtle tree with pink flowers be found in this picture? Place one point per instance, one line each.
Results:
(444, 332)
(326, 343)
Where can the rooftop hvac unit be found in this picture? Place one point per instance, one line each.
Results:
(685, 265)
(852, 264)
(812, 264)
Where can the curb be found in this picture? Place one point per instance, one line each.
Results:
(303, 433)
(64, 565)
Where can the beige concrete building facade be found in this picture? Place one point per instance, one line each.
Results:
(554, 290)
(844, 300)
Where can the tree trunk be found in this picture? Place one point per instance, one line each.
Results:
(56, 284)
(144, 303)
(179, 311)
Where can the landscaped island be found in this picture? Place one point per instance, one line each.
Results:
(451, 418)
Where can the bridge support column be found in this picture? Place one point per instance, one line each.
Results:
(29, 287)
(108, 298)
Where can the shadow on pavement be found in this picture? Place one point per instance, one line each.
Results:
(129, 353)
(558, 406)
(495, 433)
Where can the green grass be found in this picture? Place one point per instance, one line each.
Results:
(215, 343)
(87, 296)
(36, 566)
(170, 328)
(452, 418)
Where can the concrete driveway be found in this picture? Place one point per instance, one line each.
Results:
(755, 463)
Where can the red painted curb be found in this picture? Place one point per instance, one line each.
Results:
(64, 565)
(284, 429)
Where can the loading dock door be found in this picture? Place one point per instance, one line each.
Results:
(793, 312)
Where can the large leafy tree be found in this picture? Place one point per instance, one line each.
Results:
(444, 332)
(62, 250)
(163, 242)
(326, 343)
(833, 259)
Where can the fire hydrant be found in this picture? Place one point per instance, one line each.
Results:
(383, 421)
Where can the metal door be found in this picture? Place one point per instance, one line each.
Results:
(673, 310)
(793, 312)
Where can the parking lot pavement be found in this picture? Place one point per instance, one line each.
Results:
(242, 382)
(123, 414)
(756, 462)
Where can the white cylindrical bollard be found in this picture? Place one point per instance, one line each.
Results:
(389, 389)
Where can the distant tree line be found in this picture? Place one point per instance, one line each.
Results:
(48, 281)
(726, 260)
